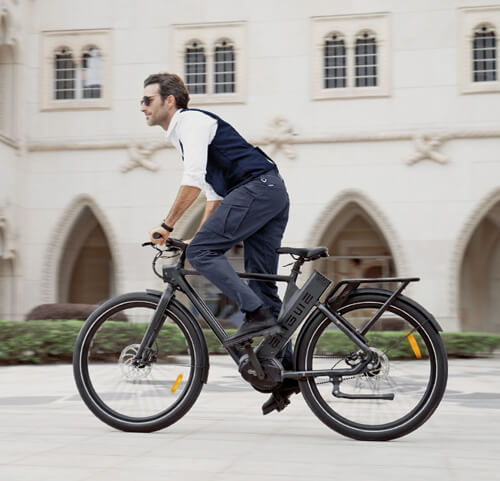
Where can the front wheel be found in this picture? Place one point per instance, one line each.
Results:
(403, 384)
(132, 396)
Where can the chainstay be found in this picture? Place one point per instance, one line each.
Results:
(345, 378)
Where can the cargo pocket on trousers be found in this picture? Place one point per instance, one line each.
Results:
(234, 218)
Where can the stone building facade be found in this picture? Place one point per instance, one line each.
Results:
(383, 117)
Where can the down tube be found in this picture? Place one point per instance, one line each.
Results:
(205, 312)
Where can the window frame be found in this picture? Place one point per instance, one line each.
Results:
(363, 40)
(211, 35)
(350, 27)
(470, 20)
(82, 88)
(69, 55)
(338, 40)
(196, 44)
(229, 48)
(78, 42)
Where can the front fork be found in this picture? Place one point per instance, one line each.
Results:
(144, 353)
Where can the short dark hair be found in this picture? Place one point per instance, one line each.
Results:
(170, 84)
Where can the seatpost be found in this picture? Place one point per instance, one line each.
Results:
(296, 268)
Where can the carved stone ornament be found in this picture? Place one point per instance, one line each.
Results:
(7, 237)
(140, 155)
(426, 147)
(280, 137)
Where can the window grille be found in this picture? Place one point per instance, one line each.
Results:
(195, 69)
(92, 73)
(484, 66)
(64, 75)
(365, 61)
(335, 62)
(224, 79)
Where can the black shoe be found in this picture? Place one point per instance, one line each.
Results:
(260, 322)
(280, 398)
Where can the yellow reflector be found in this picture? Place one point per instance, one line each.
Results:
(176, 383)
(414, 346)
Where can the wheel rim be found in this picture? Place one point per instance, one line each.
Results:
(411, 380)
(130, 392)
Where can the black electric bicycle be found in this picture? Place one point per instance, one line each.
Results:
(370, 362)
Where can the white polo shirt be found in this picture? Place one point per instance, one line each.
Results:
(191, 132)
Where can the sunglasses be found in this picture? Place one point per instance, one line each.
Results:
(147, 100)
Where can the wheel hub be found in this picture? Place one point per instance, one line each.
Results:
(132, 369)
(378, 366)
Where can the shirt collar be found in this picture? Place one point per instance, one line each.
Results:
(173, 123)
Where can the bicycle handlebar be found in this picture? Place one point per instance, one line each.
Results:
(170, 242)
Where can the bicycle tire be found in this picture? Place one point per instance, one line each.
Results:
(419, 383)
(104, 349)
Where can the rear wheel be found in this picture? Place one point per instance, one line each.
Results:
(407, 374)
(128, 395)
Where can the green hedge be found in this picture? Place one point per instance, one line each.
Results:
(38, 342)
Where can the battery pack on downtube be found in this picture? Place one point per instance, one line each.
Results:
(296, 310)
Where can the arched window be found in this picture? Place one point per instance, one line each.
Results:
(365, 60)
(484, 63)
(335, 70)
(195, 68)
(224, 68)
(92, 73)
(64, 74)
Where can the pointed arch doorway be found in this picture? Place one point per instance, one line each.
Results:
(480, 276)
(86, 268)
(357, 246)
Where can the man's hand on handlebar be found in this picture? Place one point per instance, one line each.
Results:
(159, 235)
(170, 243)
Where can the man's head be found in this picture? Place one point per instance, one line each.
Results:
(164, 93)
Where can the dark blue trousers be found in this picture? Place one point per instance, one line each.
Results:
(256, 214)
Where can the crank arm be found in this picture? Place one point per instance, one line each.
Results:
(254, 361)
(337, 393)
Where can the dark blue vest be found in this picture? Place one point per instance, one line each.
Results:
(232, 161)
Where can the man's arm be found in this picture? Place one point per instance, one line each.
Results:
(210, 206)
(185, 197)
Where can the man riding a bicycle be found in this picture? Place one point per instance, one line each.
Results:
(247, 202)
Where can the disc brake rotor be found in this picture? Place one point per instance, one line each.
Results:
(131, 370)
(379, 366)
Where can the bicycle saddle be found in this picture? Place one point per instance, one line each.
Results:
(312, 253)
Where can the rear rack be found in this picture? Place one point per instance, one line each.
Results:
(334, 302)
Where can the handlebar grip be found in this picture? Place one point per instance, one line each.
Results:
(176, 243)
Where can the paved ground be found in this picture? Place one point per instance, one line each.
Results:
(46, 433)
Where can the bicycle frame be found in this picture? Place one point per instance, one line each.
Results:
(175, 276)
(297, 304)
